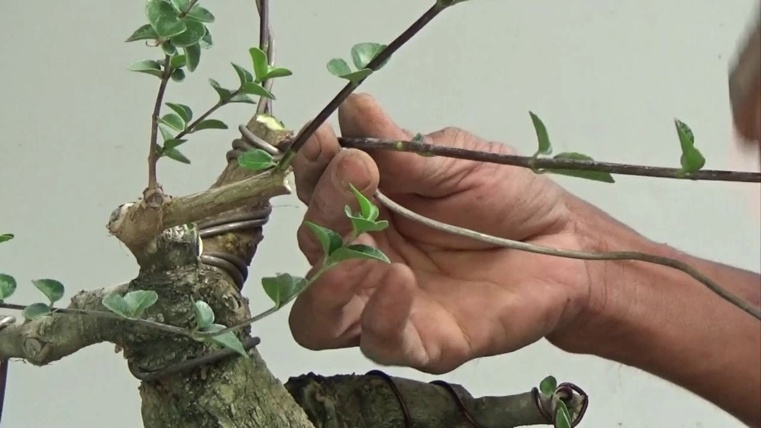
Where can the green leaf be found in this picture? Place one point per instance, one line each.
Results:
(548, 385)
(169, 48)
(241, 98)
(201, 14)
(148, 67)
(180, 5)
(173, 121)
(358, 75)
(276, 72)
(164, 19)
(338, 67)
(116, 304)
(166, 133)
(259, 59)
(194, 32)
(283, 287)
(226, 340)
(207, 41)
(580, 173)
(256, 160)
(175, 154)
(172, 143)
(178, 75)
(182, 110)
(35, 310)
(178, 61)
(562, 416)
(210, 124)
(193, 54)
(224, 94)
(368, 210)
(363, 53)
(51, 288)
(6, 237)
(545, 147)
(204, 314)
(254, 88)
(692, 160)
(7, 286)
(146, 32)
(361, 225)
(357, 251)
(243, 75)
(329, 240)
(139, 300)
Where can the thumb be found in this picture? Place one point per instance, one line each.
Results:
(400, 172)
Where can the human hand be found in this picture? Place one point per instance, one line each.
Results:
(444, 299)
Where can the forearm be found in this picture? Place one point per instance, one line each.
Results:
(662, 321)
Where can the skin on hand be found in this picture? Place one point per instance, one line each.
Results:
(444, 299)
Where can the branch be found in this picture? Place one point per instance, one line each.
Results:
(52, 337)
(266, 44)
(153, 154)
(572, 254)
(350, 87)
(546, 163)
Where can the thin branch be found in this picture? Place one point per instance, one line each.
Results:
(266, 42)
(546, 163)
(583, 255)
(350, 87)
(109, 315)
(153, 154)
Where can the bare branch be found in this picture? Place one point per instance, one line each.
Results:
(546, 163)
(153, 153)
(266, 44)
(572, 254)
(52, 337)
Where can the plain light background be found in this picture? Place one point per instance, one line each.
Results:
(607, 77)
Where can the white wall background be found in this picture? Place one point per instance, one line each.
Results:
(607, 77)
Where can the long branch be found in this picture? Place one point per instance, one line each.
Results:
(266, 44)
(153, 154)
(572, 254)
(546, 163)
(350, 87)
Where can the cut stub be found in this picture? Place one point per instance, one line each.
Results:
(745, 83)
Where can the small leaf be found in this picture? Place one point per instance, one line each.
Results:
(201, 14)
(169, 48)
(173, 121)
(166, 133)
(6, 237)
(7, 286)
(276, 72)
(207, 41)
(210, 124)
(163, 18)
(178, 61)
(243, 75)
(543, 137)
(139, 300)
(329, 240)
(363, 53)
(368, 210)
(548, 385)
(579, 173)
(148, 67)
(338, 67)
(175, 154)
(256, 160)
(226, 340)
(224, 94)
(193, 54)
(241, 98)
(180, 5)
(283, 287)
(562, 416)
(259, 59)
(194, 32)
(358, 75)
(116, 304)
(204, 314)
(357, 251)
(146, 32)
(692, 160)
(361, 225)
(51, 288)
(182, 110)
(173, 142)
(35, 310)
(178, 75)
(257, 89)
